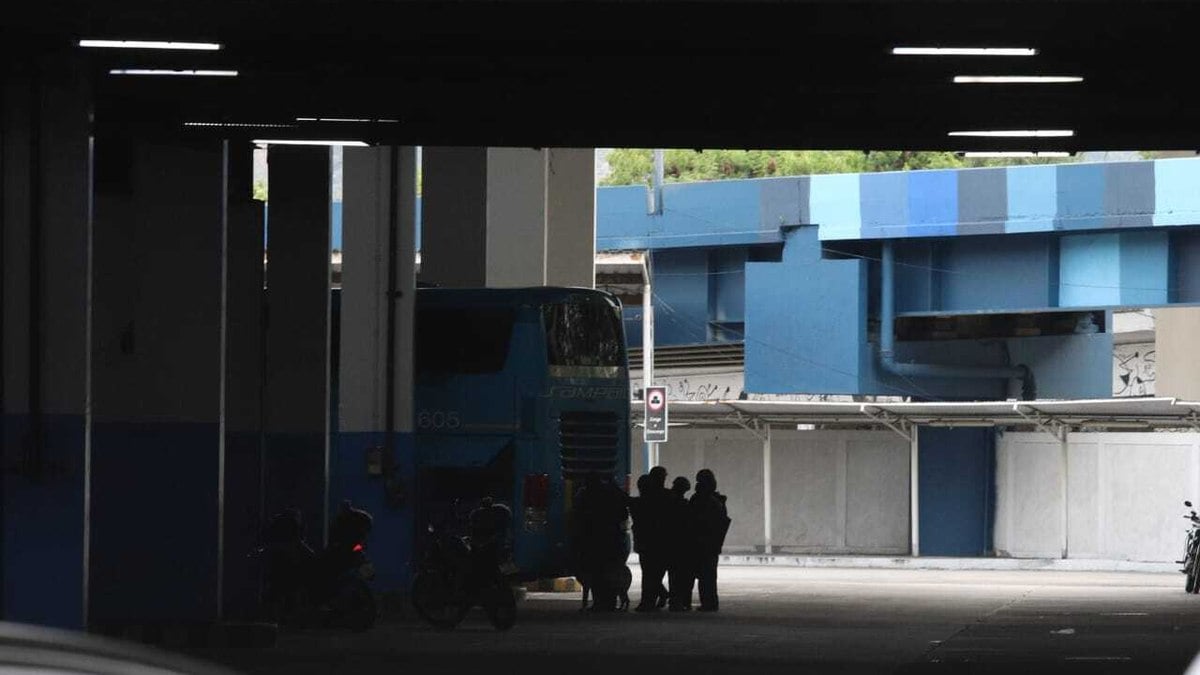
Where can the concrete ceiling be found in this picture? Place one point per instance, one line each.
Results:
(649, 73)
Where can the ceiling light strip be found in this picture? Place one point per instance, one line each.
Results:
(151, 44)
(1015, 133)
(964, 51)
(173, 73)
(1017, 79)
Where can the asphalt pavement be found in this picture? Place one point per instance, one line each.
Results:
(797, 620)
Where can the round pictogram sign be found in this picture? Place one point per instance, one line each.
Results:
(657, 401)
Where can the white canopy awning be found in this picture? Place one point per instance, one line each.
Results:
(1052, 415)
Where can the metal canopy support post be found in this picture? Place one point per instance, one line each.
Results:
(890, 420)
(767, 490)
(1047, 423)
(1061, 431)
(651, 449)
(914, 493)
(1065, 482)
(1193, 420)
(750, 423)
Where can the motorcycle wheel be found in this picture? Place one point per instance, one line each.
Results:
(436, 600)
(355, 606)
(500, 606)
(1193, 574)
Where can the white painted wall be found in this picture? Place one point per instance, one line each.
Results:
(839, 492)
(1125, 494)
(832, 491)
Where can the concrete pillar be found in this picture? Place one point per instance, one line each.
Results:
(1177, 361)
(454, 216)
(244, 386)
(157, 382)
(914, 491)
(508, 217)
(296, 405)
(45, 223)
(571, 217)
(374, 463)
(516, 217)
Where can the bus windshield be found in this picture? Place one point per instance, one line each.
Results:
(583, 338)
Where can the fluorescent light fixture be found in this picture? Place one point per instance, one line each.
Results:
(151, 44)
(240, 125)
(1026, 133)
(964, 51)
(177, 73)
(363, 120)
(289, 141)
(1016, 79)
(1016, 154)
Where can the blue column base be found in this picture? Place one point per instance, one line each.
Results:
(391, 544)
(154, 522)
(43, 522)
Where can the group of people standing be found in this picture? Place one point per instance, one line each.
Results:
(679, 538)
(676, 537)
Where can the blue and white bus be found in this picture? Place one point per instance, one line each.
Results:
(519, 394)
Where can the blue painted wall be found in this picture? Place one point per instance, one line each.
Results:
(956, 487)
(43, 523)
(806, 321)
(171, 467)
(716, 213)
(681, 306)
(996, 273)
(807, 325)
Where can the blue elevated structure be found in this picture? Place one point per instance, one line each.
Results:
(994, 268)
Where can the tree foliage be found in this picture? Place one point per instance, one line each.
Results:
(632, 166)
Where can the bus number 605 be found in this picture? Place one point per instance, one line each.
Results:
(438, 419)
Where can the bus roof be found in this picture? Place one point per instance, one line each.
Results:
(504, 296)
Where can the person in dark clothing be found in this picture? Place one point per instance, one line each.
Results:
(711, 522)
(656, 559)
(680, 545)
(601, 511)
(646, 510)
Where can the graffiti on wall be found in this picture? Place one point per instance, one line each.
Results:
(1133, 369)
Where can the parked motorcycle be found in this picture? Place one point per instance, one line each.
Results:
(457, 573)
(326, 589)
(1191, 553)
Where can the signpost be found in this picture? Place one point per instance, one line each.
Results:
(656, 415)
